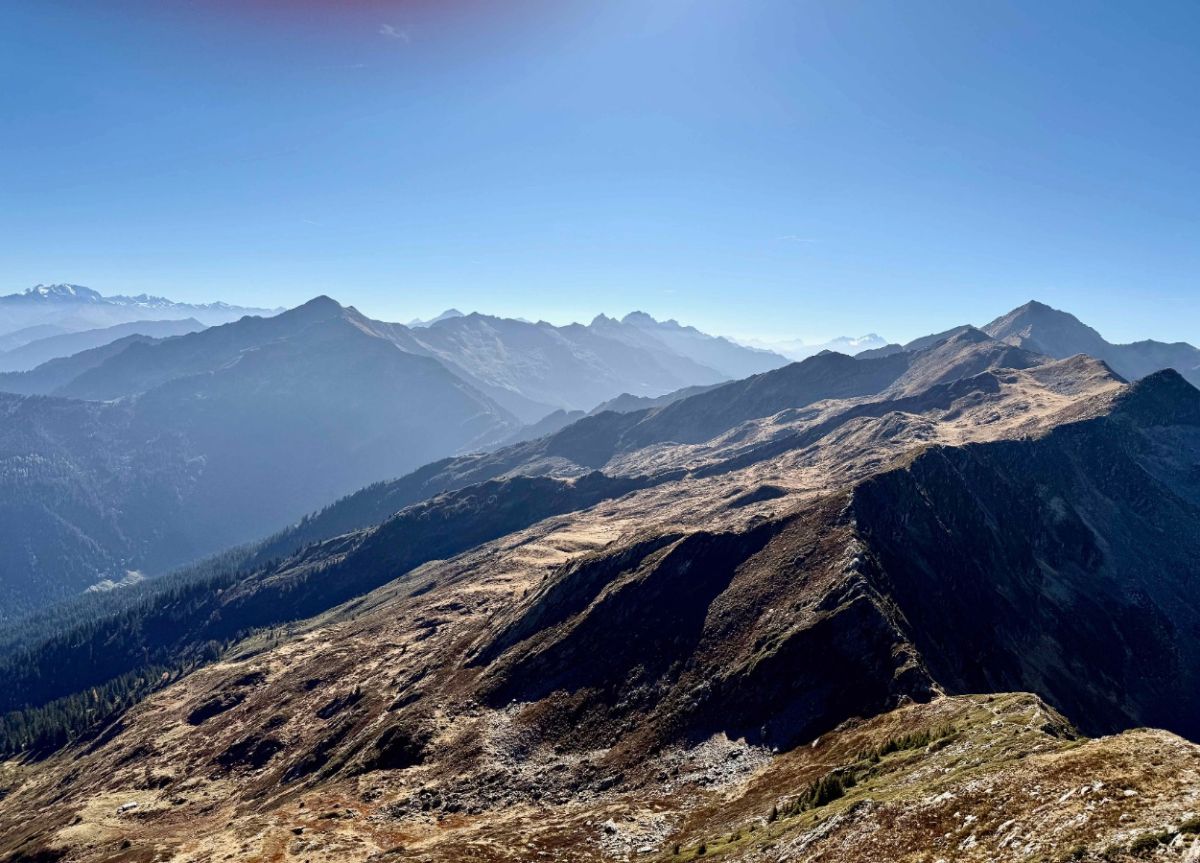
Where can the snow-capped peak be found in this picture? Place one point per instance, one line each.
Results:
(63, 292)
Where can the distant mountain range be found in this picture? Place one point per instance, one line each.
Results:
(42, 350)
(533, 369)
(141, 452)
(449, 313)
(798, 349)
(153, 452)
(47, 310)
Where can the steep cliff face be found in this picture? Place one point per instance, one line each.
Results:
(1068, 565)
(769, 634)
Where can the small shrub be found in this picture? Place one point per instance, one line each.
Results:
(1149, 841)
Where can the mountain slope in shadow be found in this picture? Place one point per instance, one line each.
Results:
(220, 438)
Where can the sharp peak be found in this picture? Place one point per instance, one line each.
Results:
(320, 307)
(1037, 307)
(1163, 380)
(320, 300)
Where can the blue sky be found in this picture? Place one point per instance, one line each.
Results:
(773, 169)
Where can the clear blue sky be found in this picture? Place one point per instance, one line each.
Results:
(790, 168)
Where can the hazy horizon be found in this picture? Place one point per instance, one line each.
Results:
(762, 170)
(779, 341)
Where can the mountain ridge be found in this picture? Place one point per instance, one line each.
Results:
(1042, 329)
(165, 451)
(60, 345)
(660, 641)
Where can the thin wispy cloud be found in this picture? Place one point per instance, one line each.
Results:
(797, 238)
(393, 32)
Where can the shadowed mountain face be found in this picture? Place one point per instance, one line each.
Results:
(653, 631)
(1007, 565)
(1068, 565)
(42, 350)
(217, 438)
(222, 436)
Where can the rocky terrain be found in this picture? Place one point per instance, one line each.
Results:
(763, 640)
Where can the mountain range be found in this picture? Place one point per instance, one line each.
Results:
(48, 310)
(799, 349)
(1044, 330)
(166, 450)
(533, 369)
(920, 602)
(41, 350)
(143, 453)
(1041, 329)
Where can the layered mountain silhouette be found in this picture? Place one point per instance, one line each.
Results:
(535, 368)
(154, 452)
(47, 310)
(753, 618)
(149, 452)
(41, 350)
(1040, 329)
